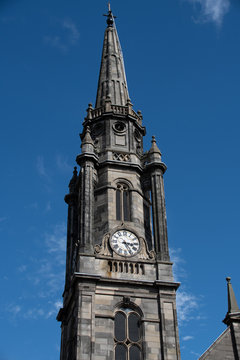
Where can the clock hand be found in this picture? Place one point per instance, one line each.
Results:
(126, 245)
(132, 244)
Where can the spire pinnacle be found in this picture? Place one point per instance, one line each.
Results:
(232, 302)
(233, 313)
(112, 81)
(154, 147)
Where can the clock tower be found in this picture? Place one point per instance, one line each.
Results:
(119, 300)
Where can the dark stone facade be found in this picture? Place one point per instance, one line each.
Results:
(118, 190)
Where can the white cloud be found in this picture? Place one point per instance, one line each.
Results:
(13, 309)
(49, 274)
(178, 261)
(56, 242)
(22, 268)
(186, 304)
(212, 10)
(66, 36)
(35, 313)
(56, 306)
(187, 337)
(73, 31)
(38, 312)
(45, 277)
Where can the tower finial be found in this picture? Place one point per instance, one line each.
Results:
(110, 17)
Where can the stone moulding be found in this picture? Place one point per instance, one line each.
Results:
(143, 254)
(103, 249)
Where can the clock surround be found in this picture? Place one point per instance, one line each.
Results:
(124, 243)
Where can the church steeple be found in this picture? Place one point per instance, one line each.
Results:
(120, 295)
(112, 81)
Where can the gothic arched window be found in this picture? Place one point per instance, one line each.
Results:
(122, 202)
(128, 335)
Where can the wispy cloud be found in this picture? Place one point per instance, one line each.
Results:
(13, 309)
(3, 218)
(73, 31)
(48, 207)
(56, 42)
(43, 279)
(178, 264)
(41, 166)
(34, 313)
(22, 268)
(186, 304)
(40, 312)
(212, 10)
(67, 35)
(62, 164)
(56, 306)
(187, 338)
(49, 274)
(56, 242)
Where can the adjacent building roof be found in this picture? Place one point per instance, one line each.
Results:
(227, 345)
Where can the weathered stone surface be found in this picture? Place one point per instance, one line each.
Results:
(114, 191)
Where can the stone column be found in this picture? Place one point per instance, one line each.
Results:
(88, 161)
(86, 206)
(159, 215)
(71, 200)
(155, 169)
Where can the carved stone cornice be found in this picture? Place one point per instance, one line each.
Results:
(80, 159)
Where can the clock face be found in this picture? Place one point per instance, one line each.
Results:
(124, 243)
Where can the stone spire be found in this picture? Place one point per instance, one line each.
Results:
(154, 152)
(232, 302)
(112, 81)
(233, 309)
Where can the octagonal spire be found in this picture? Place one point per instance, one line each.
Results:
(112, 81)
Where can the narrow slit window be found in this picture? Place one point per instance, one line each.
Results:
(126, 208)
(123, 203)
(118, 204)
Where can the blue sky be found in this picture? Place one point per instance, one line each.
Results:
(182, 63)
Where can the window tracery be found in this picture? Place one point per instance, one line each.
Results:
(128, 335)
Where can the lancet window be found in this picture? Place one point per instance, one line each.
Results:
(123, 202)
(128, 335)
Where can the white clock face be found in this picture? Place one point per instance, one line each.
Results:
(124, 243)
